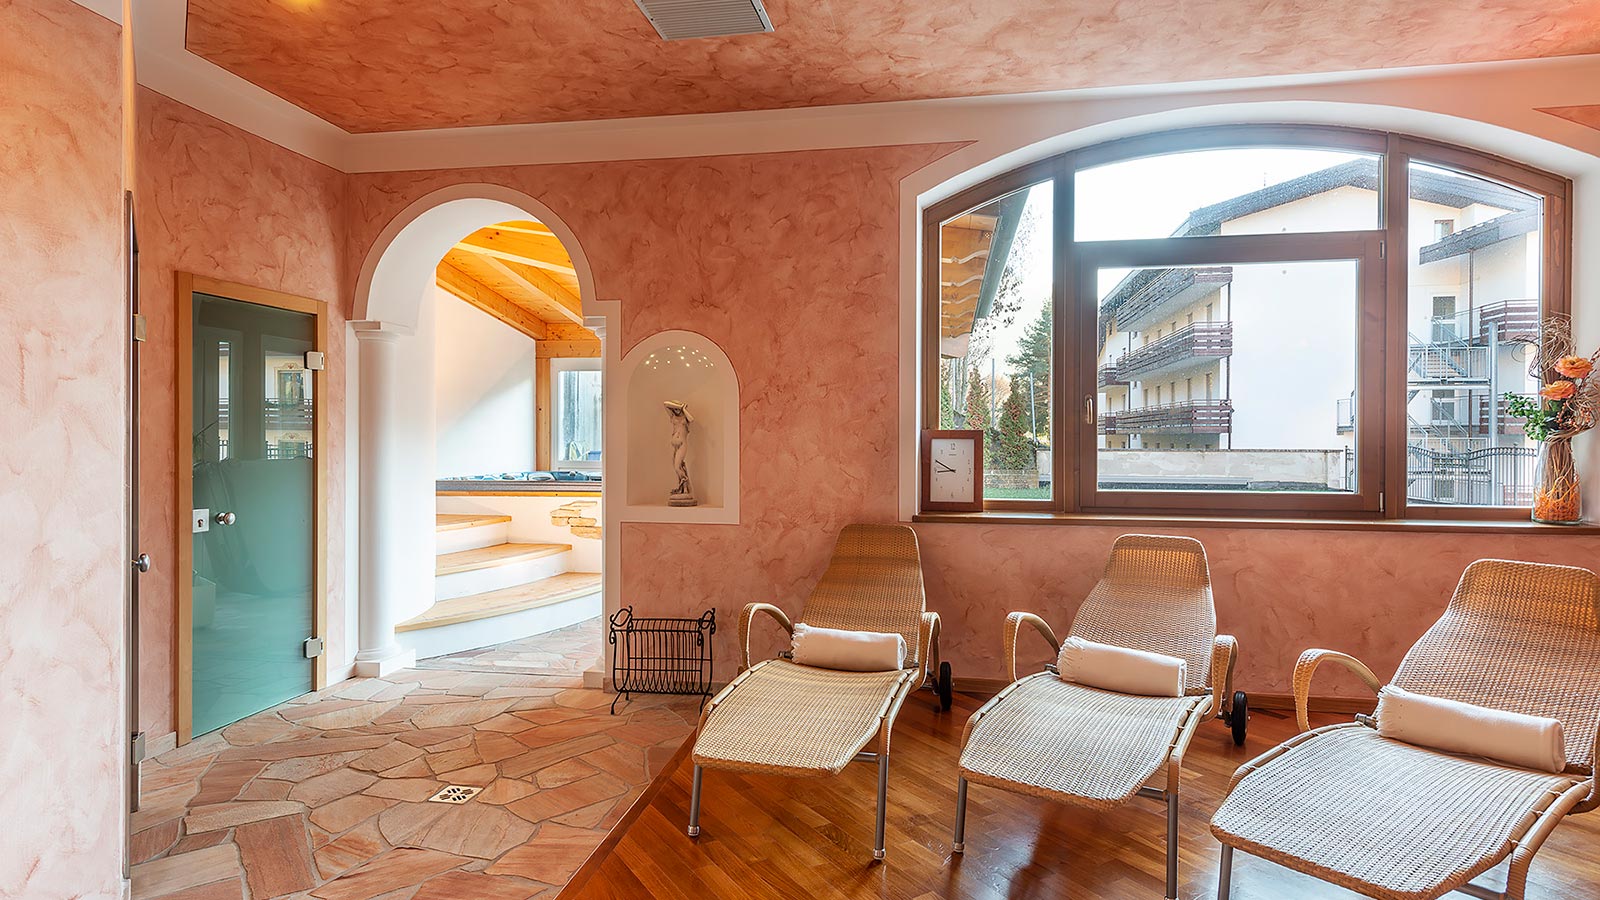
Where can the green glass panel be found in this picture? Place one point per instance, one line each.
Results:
(253, 418)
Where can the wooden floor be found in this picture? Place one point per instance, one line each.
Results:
(791, 838)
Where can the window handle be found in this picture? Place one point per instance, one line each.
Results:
(1088, 409)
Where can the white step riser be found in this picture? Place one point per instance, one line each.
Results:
(473, 538)
(493, 578)
(499, 629)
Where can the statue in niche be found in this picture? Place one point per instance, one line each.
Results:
(680, 419)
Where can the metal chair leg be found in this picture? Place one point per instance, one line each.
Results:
(883, 799)
(1225, 874)
(694, 805)
(959, 844)
(1172, 845)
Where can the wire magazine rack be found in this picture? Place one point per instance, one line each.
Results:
(661, 655)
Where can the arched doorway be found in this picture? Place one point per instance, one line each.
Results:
(401, 572)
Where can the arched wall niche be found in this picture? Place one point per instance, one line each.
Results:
(689, 368)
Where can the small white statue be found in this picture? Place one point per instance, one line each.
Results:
(679, 417)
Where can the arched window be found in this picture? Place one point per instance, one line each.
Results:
(1297, 320)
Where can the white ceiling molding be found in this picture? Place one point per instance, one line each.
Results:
(1504, 92)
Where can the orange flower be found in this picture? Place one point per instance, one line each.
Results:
(1574, 366)
(1558, 390)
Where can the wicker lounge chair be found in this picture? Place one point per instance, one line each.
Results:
(1401, 822)
(1046, 737)
(781, 718)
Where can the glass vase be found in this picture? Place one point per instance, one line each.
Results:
(1557, 499)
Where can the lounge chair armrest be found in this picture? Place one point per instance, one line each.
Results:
(1014, 624)
(1224, 653)
(1307, 666)
(928, 646)
(745, 618)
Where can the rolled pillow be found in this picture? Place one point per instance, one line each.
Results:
(1530, 742)
(849, 651)
(1121, 669)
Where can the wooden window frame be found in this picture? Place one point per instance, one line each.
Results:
(1381, 350)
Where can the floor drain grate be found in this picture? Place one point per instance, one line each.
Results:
(455, 793)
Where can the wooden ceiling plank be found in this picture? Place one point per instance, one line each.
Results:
(490, 301)
(520, 285)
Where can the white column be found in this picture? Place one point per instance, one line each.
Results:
(381, 547)
(610, 538)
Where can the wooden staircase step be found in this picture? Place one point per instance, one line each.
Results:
(534, 594)
(498, 555)
(454, 522)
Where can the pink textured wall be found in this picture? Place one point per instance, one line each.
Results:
(789, 262)
(63, 387)
(218, 202)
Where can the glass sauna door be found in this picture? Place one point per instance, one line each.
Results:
(254, 508)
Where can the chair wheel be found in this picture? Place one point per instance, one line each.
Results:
(1239, 717)
(945, 686)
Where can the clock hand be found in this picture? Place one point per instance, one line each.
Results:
(942, 469)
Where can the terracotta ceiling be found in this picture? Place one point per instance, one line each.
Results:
(386, 65)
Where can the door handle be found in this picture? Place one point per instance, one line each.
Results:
(142, 562)
(225, 518)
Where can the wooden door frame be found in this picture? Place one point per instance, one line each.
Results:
(183, 644)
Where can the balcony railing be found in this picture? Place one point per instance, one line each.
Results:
(1344, 415)
(1509, 319)
(1187, 345)
(1446, 362)
(1491, 476)
(1191, 417)
(1145, 294)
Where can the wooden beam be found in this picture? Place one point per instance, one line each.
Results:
(534, 290)
(490, 301)
(567, 350)
(543, 251)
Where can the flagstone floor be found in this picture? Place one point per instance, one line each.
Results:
(326, 796)
(565, 651)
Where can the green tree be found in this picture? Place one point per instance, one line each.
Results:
(1033, 358)
(1013, 449)
(947, 409)
(977, 402)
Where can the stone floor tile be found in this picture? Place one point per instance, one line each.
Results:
(403, 821)
(548, 715)
(460, 713)
(224, 780)
(459, 885)
(564, 772)
(386, 757)
(544, 757)
(557, 854)
(429, 737)
(547, 804)
(156, 777)
(276, 857)
(588, 817)
(327, 788)
(395, 869)
(228, 815)
(191, 842)
(154, 841)
(479, 775)
(349, 850)
(227, 889)
(493, 747)
(266, 789)
(272, 752)
(453, 759)
(186, 870)
(298, 770)
(412, 789)
(483, 832)
(258, 729)
(362, 712)
(504, 790)
(583, 698)
(622, 760)
(417, 768)
(347, 812)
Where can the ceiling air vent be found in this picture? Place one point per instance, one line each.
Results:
(681, 20)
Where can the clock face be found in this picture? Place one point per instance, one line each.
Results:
(950, 477)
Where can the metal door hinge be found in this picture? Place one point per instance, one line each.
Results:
(136, 749)
(315, 361)
(141, 329)
(1383, 249)
(313, 647)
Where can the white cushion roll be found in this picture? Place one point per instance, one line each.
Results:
(1531, 742)
(849, 651)
(1120, 669)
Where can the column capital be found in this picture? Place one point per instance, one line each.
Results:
(385, 332)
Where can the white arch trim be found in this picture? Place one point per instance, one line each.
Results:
(1016, 141)
(398, 268)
